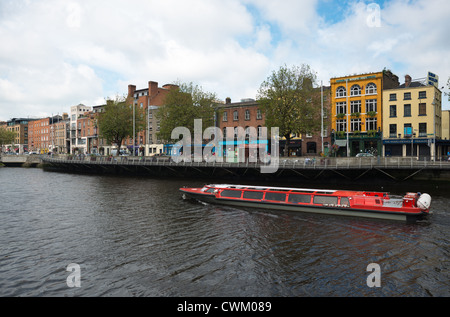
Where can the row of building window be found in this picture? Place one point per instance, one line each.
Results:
(247, 131)
(393, 133)
(407, 96)
(407, 110)
(355, 124)
(356, 90)
(39, 131)
(371, 106)
(40, 138)
(247, 115)
(371, 124)
(355, 106)
(259, 130)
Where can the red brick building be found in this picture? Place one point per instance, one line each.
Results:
(61, 137)
(39, 135)
(148, 101)
(247, 113)
(42, 137)
(87, 127)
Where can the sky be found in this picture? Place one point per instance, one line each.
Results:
(56, 54)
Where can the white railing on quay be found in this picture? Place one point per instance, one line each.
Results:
(290, 163)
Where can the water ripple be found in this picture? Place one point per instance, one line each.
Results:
(137, 237)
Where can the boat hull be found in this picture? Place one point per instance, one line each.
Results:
(346, 212)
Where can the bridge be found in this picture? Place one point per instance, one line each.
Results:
(353, 170)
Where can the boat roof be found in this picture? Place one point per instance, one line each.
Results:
(251, 187)
(293, 190)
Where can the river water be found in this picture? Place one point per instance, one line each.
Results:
(134, 236)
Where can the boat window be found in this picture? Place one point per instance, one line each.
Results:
(253, 195)
(231, 193)
(275, 196)
(298, 198)
(210, 190)
(325, 200)
(345, 201)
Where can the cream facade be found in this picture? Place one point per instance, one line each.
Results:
(412, 120)
(446, 124)
(446, 134)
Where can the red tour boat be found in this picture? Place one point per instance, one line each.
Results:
(410, 207)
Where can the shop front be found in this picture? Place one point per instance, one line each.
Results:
(357, 143)
(294, 147)
(421, 148)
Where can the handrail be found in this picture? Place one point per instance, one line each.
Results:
(299, 163)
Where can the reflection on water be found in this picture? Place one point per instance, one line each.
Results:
(138, 237)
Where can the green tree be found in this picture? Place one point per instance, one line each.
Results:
(290, 101)
(184, 104)
(6, 137)
(119, 121)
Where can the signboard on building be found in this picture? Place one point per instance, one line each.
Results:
(357, 78)
(433, 80)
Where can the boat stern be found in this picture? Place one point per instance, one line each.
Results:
(424, 202)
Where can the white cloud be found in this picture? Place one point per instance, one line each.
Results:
(60, 53)
(292, 16)
(73, 19)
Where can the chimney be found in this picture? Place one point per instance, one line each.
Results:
(228, 100)
(131, 90)
(407, 81)
(152, 88)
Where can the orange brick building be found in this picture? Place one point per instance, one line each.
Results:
(39, 135)
(42, 136)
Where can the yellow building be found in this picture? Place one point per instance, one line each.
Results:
(446, 134)
(20, 128)
(356, 108)
(412, 120)
(446, 124)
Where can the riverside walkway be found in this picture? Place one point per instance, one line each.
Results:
(396, 169)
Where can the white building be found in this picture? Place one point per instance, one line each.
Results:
(76, 141)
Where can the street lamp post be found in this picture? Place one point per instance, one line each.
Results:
(347, 117)
(134, 129)
(433, 153)
(321, 121)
